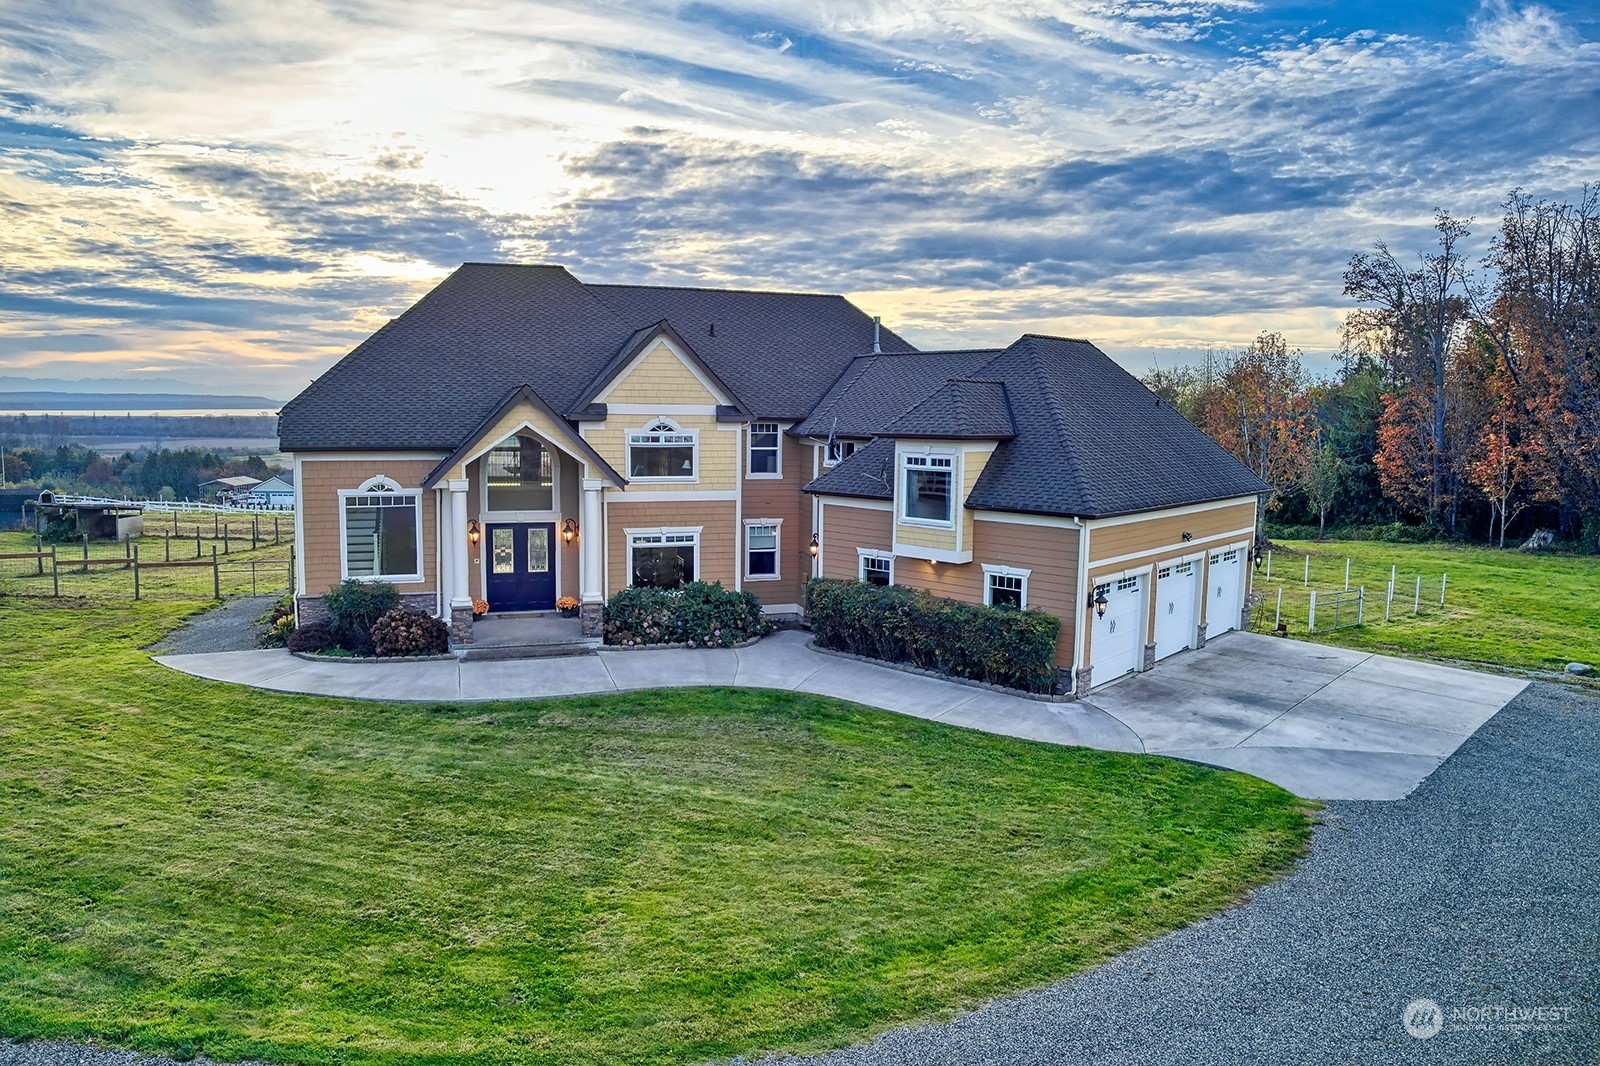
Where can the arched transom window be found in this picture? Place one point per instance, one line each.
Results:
(520, 475)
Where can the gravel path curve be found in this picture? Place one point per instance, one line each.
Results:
(230, 626)
(1478, 892)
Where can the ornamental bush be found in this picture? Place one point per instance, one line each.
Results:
(313, 637)
(995, 645)
(701, 613)
(405, 631)
(354, 608)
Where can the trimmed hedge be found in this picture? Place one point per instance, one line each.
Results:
(404, 631)
(995, 645)
(354, 607)
(700, 614)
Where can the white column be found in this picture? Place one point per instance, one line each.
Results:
(592, 542)
(446, 554)
(459, 594)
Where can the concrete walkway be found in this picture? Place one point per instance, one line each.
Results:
(1321, 722)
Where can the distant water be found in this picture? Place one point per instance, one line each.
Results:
(166, 412)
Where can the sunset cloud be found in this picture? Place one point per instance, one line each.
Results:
(246, 191)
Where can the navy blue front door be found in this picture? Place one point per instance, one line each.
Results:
(522, 567)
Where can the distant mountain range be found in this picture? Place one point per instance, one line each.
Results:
(151, 384)
(113, 402)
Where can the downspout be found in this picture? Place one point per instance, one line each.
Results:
(1082, 598)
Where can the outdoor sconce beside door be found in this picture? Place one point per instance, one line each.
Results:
(474, 532)
(569, 530)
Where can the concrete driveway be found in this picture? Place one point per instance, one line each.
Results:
(1323, 722)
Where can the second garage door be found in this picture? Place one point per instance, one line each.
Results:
(1176, 617)
(1117, 639)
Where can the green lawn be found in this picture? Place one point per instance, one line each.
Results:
(1502, 608)
(666, 877)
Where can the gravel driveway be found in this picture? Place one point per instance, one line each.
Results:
(1478, 892)
(230, 626)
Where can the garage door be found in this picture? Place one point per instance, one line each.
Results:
(1117, 641)
(1223, 588)
(1176, 619)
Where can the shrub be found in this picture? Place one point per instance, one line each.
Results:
(279, 620)
(404, 631)
(700, 613)
(354, 607)
(312, 637)
(995, 645)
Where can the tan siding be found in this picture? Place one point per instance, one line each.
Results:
(1158, 532)
(321, 481)
(717, 554)
(781, 498)
(1052, 555)
(569, 484)
(659, 377)
(523, 414)
(846, 528)
(718, 459)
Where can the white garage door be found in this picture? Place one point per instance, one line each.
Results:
(1117, 641)
(1223, 588)
(1175, 607)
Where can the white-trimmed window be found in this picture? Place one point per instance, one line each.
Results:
(877, 568)
(1005, 586)
(761, 552)
(766, 452)
(838, 451)
(662, 558)
(928, 482)
(519, 474)
(380, 532)
(662, 451)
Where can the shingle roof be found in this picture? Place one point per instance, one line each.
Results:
(868, 474)
(960, 410)
(779, 351)
(427, 378)
(1091, 440)
(877, 389)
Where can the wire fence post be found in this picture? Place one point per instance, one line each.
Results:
(226, 549)
(1361, 605)
(1388, 601)
(275, 540)
(1277, 616)
(1306, 581)
(135, 570)
(169, 548)
(55, 572)
(255, 532)
(1347, 575)
(38, 549)
(1443, 579)
(86, 553)
(252, 576)
(1311, 619)
(216, 576)
(1416, 603)
(1269, 566)
(197, 542)
(127, 553)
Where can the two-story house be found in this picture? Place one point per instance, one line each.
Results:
(519, 435)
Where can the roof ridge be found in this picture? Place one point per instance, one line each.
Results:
(712, 288)
(1058, 412)
(1058, 337)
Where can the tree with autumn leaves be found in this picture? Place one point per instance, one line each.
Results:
(1470, 394)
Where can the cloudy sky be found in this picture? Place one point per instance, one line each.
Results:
(235, 193)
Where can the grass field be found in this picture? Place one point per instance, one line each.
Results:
(1502, 608)
(646, 878)
(108, 577)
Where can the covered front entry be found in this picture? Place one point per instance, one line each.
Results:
(521, 567)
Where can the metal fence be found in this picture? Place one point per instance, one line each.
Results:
(148, 568)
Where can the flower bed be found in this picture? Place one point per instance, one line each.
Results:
(994, 645)
(698, 615)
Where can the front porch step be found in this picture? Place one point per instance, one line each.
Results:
(483, 652)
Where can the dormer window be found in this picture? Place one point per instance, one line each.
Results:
(928, 487)
(663, 451)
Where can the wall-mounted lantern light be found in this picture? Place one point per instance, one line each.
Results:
(1257, 555)
(474, 533)
(815, 546)
(569, 530)
(1100, 602)
(1187, 536)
